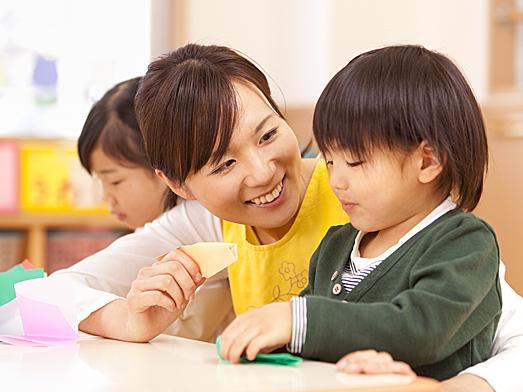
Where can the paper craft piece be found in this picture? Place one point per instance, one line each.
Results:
(16, 274)
(267, 359)
(211, 257)
(28, 265)
(46, 313)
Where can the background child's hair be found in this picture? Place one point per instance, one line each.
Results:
(111, 124)
(396, 97)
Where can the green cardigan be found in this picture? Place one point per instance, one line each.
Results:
(434, 303)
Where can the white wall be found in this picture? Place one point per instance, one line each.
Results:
(302, 43)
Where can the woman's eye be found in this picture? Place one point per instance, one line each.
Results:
(114, 183)
(226, 165)
(268, 136)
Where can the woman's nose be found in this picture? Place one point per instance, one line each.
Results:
(260, 172)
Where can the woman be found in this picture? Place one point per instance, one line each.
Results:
(214, 134)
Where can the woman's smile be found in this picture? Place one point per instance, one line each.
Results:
(273, 198)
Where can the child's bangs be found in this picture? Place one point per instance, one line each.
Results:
(365, 107)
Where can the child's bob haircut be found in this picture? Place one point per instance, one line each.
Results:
(111, 125)
(187, 106)
(396, 97)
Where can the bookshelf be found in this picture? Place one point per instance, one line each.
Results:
(49, 206)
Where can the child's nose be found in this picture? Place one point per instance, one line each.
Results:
(337, 180)
(108, 197)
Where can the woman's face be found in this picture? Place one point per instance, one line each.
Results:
(134, 194)
(258, 180)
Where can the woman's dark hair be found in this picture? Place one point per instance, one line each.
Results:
(187, 106)
(396, 97)
(111, 124)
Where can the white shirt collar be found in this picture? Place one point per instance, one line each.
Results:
(362, 262)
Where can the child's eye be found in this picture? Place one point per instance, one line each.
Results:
(114, 183)
(269, 135)
(226, 165)
(354, 164)
(328, 163)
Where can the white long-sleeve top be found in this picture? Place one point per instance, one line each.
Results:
(108, 274)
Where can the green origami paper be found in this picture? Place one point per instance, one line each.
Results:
(267, 359)
(14, 275)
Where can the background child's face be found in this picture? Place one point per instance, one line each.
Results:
(135, 195)
(263, 158)
(380, 193)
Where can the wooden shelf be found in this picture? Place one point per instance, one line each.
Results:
(57, 220)
(37, 225)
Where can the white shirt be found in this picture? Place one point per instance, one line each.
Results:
(108, 274)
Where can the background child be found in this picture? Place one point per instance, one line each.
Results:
(111, 148)
(413, 274)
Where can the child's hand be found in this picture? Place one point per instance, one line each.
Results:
(372, 362)
(259, 330)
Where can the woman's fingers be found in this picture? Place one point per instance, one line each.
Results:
(189, 264)
(142, 301)
(178, 270)
(164, 283)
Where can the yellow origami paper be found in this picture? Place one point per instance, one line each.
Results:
(212, 257)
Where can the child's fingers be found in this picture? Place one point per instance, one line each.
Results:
(235, 339)
(255, 346)
(359, 355)
(372, 362)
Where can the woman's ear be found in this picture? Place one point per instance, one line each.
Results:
(430, 165)
(180, 190)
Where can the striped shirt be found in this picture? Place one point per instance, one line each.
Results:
(355, 270)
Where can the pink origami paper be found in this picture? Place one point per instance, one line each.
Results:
(45, 310)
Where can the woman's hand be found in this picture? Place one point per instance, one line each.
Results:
(372, 362)
(160, 293)
(259, 330)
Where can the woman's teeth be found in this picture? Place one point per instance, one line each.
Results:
(269, 196)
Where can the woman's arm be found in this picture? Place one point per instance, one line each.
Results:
(104, 279)
(502, 371)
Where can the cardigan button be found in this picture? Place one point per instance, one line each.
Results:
(336, 289)
(334, 276)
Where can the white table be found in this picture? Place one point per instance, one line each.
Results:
(168, 363)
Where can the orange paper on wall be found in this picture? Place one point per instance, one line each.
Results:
(212, 257)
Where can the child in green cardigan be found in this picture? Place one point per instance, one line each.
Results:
(414, 273)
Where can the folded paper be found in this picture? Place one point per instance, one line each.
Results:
(211, 257)
(44, 308)
(268, 359)
(18, 273)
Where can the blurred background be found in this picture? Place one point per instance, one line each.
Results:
(58, 57)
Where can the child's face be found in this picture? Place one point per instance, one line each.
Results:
(380, 193)
(135, 195)
(263, 159)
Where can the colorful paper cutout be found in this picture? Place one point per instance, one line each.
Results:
(18, 273)
(211, 257)
(282, 359)
(45, 310)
